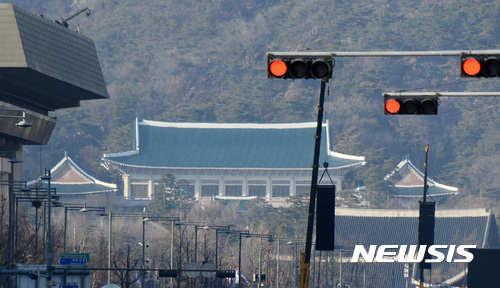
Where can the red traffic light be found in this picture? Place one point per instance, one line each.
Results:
(410, 105)
(392, 106)
(480, 66)
(471, 67)
(308, 65)
(278, 68)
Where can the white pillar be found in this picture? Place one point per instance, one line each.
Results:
(269, 189)
(126, 186)
(151, 188)
(197, 188)
(244, 188)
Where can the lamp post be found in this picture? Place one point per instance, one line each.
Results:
(278, 240)
(240, 232)
(269, 237)
(110, 216)
(12, 161)
(296, 242)
(81, 208)
(163, 218)
(195, 224)
(217, 229)
(50, 256)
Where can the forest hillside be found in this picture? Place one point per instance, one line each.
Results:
(205, 60)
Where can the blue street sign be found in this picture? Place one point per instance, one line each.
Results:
(73, 261)
(69, 286)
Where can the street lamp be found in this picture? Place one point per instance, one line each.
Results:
(217, 229)
(78, 207)
(110, 216)
(269, 237)
(21, 124)
(296, 242)
(240, 233)
(50, 256)
(278, 240)
(163, 218)
(12, 161)
(195, 224)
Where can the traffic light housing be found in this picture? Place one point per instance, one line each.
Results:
(410, 105)
(167, 273)
(299, 65)
(480, 66)
(225, 274)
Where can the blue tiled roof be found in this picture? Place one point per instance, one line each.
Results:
(223, 145)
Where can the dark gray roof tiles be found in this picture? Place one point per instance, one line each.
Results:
(399, 227)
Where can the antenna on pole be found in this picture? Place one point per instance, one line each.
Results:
(425, 173)
(64, 22)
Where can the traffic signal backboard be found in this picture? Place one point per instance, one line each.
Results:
(306, 65)
(410, 105)
(480, 66)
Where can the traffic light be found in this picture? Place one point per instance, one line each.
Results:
(299, 65)
(225, 274)
(410, 105)
(167, 273)
(480, 66)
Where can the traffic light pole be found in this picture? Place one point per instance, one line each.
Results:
(280, 71)
(444, 94)
(306, 256)
(387, 53)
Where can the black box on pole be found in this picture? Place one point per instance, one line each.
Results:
(325, 217)
(426, 223)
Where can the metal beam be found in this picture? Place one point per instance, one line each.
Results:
(386, 53)
(443, 94)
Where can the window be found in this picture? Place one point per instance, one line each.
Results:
(139, 190)
(209, 188)
(302, 187)
(233, 188)
(281, 189)
(257, 188)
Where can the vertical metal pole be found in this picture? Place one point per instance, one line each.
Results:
(11, 196)
(196, 251)
(65, 227)
(109, 247)
(239, 264)
(260, 260)
(421, 285)
(196, 243)
(340, 269)
(143, 250)
(50, 255)
(217, 249)
(304, 271)
(425, 171)
(278, 266)
(217, 281)
(296, 265)
(172, 255)
(14, 235)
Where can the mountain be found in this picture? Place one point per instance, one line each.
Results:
(205, 60)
